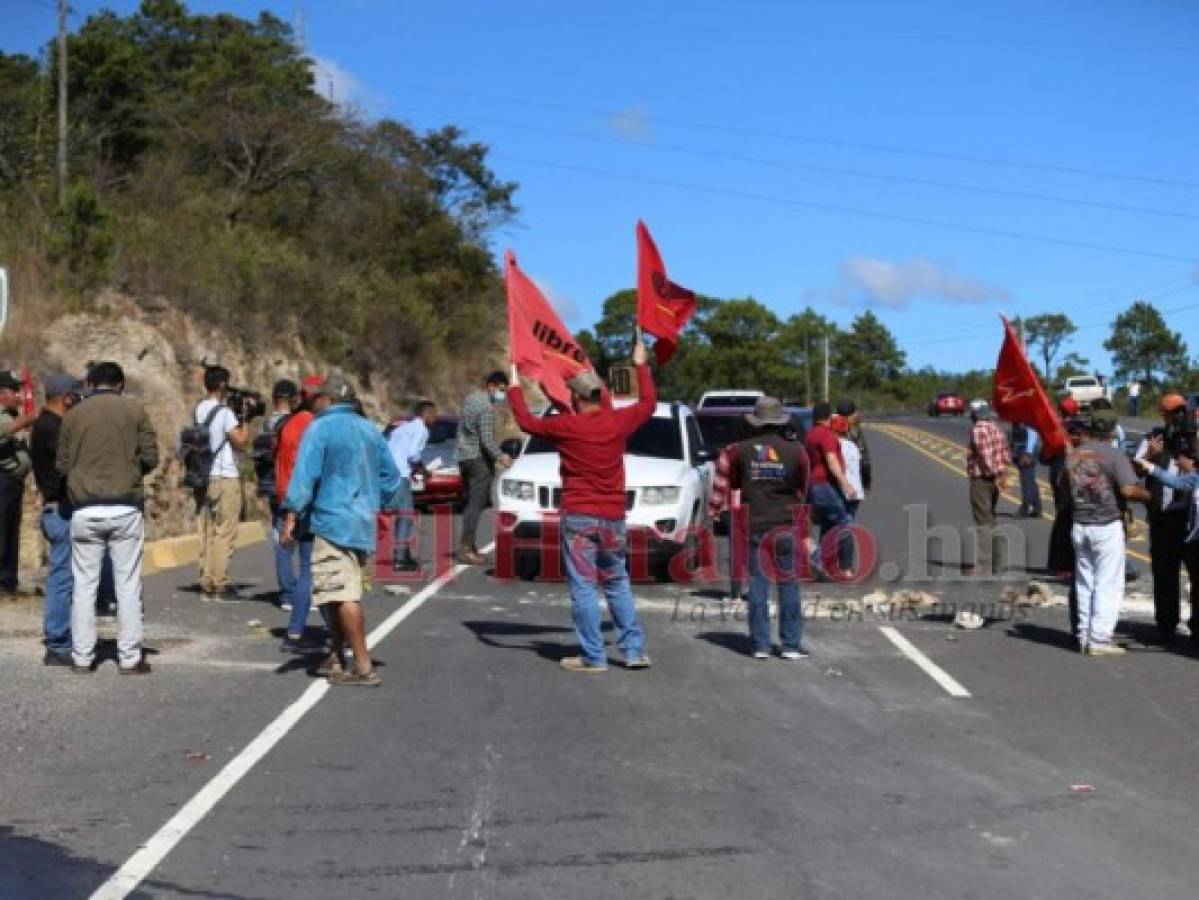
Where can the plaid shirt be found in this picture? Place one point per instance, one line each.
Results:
(989, 454)
(722, 498)
(476, 428)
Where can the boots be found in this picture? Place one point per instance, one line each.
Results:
(404, 562)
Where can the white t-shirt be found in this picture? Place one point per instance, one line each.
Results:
(1134, 389)
(223, 422)
(852, 457)
(408, 443)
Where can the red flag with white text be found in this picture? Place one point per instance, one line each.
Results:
(542, 348)
(663, 307)
(1020, 398)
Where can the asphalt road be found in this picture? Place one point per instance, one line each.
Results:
(480, 770)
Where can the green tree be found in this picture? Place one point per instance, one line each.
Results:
(867, 357)
(1143, 347)
(801, 343)
(1048, 332)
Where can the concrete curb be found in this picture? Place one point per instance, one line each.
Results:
(170, 553)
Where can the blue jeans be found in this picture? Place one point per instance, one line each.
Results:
(404, 516)
(56, 621)
(828, 507)
(295, 585)
(781, 568)
(593, 551)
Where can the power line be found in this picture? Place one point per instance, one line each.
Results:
(1177, 285)
(837, 170)
(931, 153)
(848, 210)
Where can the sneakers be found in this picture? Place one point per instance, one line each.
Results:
(468, 556)
(142, 668)
(301, 645)
(404, 562)
(761, 654)
(285, 605)
(638, 662)
(579, 664)
(794, 654)
(57, 659)
(1105, 650)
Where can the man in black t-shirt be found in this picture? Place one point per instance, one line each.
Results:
(62, 392)
(772, 474)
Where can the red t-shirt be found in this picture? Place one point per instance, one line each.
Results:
(820, 442)
(288, 449)
(591, 447)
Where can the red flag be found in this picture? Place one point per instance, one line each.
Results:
(538, 343)
(28, 405)
(663, 307)
(1020, 398)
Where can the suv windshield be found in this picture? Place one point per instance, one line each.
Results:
(657, 438)
(720, 431)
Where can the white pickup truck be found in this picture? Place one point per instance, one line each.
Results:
(1085, 389)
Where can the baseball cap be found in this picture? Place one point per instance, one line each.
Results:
(336, 386)
(839, 423)
(311, 384)
(61, 384)
(9, 380)
(586, 384)
(1171, 402)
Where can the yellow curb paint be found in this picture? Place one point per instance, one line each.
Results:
(171, 553)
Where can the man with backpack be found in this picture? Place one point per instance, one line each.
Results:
(211, 472)
(106, 448)
(264, 452)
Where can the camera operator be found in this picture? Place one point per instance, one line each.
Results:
(1169, 510)
(1185, 479)
(219, 503)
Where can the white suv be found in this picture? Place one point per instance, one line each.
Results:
(730, 399)
(668, 479)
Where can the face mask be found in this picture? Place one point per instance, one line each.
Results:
(498, 396)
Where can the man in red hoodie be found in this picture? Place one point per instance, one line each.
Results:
(591, 438)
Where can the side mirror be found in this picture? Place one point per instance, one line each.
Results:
(511, 446)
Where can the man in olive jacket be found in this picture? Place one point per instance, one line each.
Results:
(106, 447)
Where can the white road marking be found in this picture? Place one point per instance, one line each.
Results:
(935, 672)
(135, 870)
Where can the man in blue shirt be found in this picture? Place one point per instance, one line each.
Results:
(344, 475)
(407, 444)
(1025, 445)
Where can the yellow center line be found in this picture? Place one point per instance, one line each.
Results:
(900, 433)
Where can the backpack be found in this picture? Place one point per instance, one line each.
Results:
(263, 451)
(195, 450)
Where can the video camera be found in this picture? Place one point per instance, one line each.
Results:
(247, 404)
(1180, 434)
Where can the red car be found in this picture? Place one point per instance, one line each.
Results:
(443, 484)
(947, 404)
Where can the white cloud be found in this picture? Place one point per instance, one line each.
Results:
(338, 85)
(565, 306)
(631, 123)
(897, 285)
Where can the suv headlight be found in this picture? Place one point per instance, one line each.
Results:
(516, 490)
(660, 496)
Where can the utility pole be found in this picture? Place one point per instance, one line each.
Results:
(62, 100)
(825, 397)
(807, 370)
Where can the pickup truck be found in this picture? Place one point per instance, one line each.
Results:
(1085, 389)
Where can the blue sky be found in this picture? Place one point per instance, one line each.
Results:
(934, 161)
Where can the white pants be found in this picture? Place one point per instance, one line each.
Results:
(1098, 580)
(122, 534)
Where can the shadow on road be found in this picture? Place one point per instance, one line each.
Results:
(494, 634)
(736, 641)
